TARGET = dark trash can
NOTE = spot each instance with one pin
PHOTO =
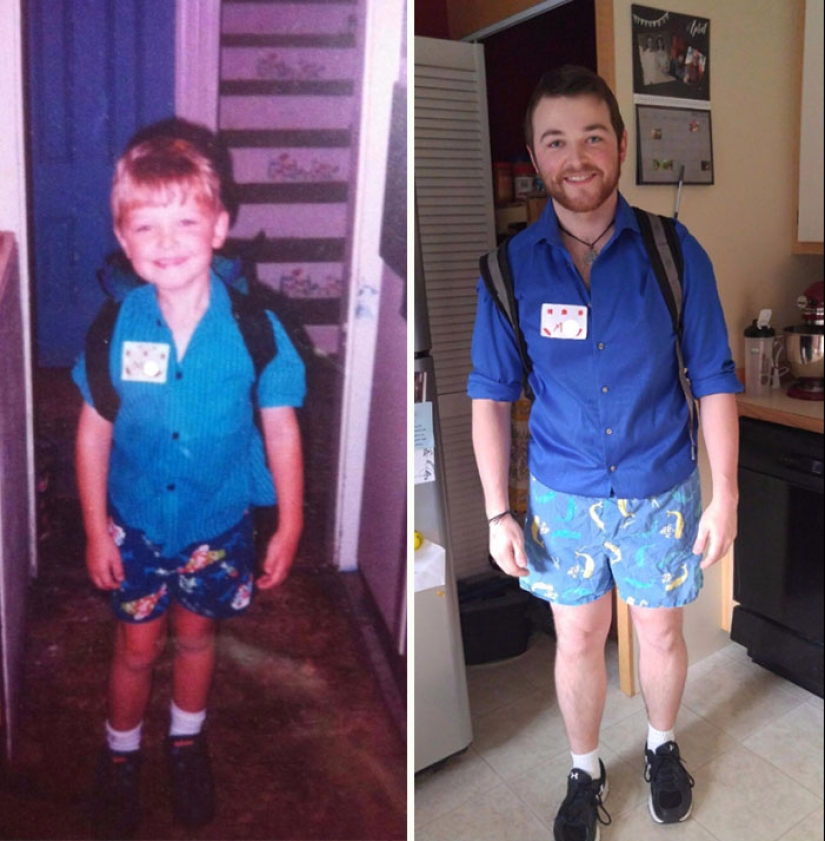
(494, 623)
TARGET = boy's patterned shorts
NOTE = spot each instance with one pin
(214, 578)
(578, 547)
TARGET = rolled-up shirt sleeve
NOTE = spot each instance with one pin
(705, 342)
(497, 369)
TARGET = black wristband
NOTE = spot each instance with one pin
(493, 520)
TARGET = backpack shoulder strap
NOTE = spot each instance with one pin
(498, 279)
(252, 320)
(665, 254)
(98, 369)
(256, 329)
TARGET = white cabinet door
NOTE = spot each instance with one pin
(456, 225)
(809, 233)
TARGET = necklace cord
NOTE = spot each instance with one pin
(584, 241)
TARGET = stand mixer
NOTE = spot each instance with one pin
(804, 346)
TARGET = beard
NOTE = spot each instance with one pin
(579, 200)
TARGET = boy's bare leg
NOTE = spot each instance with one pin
(194, 660)
(137, 648)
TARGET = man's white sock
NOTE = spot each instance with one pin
(656, 738)
(588, 762)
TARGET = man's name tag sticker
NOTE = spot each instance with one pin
(145, 362)
(564, 321)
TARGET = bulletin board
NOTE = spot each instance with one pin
(670, 138)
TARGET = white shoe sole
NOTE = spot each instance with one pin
(658, 819)
(603, 795)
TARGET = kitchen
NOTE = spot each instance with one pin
(758, 265)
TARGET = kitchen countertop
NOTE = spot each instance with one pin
(779, 408)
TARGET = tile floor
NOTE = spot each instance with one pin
(752, 740)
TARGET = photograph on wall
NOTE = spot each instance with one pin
(671, 55)
(669, 139)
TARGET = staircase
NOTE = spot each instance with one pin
(289, 108)
(288, 111)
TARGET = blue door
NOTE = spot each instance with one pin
(98, 70)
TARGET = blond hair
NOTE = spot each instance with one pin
(161, 170)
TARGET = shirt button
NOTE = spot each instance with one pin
(175, 436)
(612, 468)
(605, 389)
(600, 346)
(179, 375)
(170, 487)
(608, 431)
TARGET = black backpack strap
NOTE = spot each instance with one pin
(665, 254)
(256, 330)
(98, 369)
(498, 279)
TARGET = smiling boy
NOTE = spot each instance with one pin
(166, 487)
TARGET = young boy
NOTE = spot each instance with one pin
(167, 485)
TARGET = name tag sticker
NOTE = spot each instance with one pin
(145, 362)
(564, 321)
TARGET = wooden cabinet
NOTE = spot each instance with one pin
(535, 206)
(808, 232)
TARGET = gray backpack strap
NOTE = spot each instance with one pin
(665, 253)
(495, 272)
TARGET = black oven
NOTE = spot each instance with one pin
(778, 555)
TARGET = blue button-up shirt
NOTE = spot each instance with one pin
(187, 459)
(609, 417)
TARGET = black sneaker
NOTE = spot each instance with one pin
(190, 772)
(116, 795)
(581, 811)
(671, 798)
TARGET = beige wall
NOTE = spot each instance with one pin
(745, 220)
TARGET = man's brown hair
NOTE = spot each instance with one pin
(572, 81)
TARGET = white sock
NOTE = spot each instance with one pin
(656, 738)
(123, 740)
(184, 723)
(588, 762)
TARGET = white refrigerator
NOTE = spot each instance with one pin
(442, 710)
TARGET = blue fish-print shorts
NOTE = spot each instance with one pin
(213, 578)
(578, 547)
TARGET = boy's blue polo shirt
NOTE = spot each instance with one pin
(609, 417)
(187, 459)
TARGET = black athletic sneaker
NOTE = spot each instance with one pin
(581, 811)
(671, 798)
(190, 772)
(116, 796)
